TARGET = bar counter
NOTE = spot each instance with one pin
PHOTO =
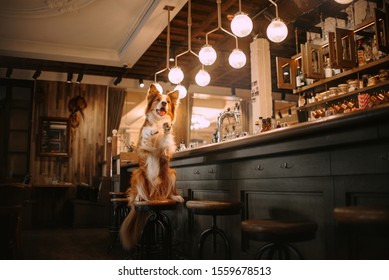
(300, 172)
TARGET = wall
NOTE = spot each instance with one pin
(87, 140)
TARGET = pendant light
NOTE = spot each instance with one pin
(176, 75)
(168, 8)
(202, 77)
(207, 54)
(241, 24)
(344, 1)
(277, 30)
(181, 91)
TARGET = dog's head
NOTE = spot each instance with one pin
(161, 105)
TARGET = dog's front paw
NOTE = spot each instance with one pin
(167, 127)
(177, 198)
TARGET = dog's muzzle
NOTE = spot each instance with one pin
(161, 111)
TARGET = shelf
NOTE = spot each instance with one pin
(344, 74)
(336, 97)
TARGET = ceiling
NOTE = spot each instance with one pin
(128, 38)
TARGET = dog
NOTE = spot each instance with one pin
(154, 179)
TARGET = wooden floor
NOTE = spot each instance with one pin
(69, 244)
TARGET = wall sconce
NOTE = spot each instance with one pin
(70, 77)
(207, 54)
(277, 30)
(80, 76)
(241, 24)
(36, 74)
(141, 83)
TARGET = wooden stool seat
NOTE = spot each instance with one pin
(272, 230)
(278, 234)
(362, 214)
(214, 208)
(153, 205)
(357, 224)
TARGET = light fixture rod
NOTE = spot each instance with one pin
(189, 50)
(274, 3)
(168, 8)
(219, 25)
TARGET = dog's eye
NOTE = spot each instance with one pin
(158, 99)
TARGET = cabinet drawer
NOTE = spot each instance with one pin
(204, 172)
(317, 164)
(361, 160)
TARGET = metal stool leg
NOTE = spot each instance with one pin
(156, 233)
(278, 250)
(214, 231)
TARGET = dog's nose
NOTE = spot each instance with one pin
(164, 103)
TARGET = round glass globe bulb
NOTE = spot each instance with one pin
(277, 30)
(237, 59)
(159, 87)
(202, 78)
(344, 1)
(181, 91)
(176, 75)
(207, 55)
(241, 24)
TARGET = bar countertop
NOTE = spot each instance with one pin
(326, 131)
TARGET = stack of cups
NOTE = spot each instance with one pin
(363, 100)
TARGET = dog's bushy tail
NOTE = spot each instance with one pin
(131, 228)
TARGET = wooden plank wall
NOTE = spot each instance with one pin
(87, 140)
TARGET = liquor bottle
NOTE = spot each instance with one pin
(361, 54)
(299, 75)
(374, 49)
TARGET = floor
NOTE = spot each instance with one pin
(69, 244)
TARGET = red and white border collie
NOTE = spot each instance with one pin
(154, 179)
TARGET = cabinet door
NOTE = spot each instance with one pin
(314, 57)
(382, 30)
(361, 160)
(332, 50)
(204, 172)
(286, 73)
(284, 166)
(345, 48)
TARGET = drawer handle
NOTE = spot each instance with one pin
(211, 171)
(259, 167)
(285, 165)
(196, 172)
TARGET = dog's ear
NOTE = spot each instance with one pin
(173, 95)
(153, 89)
(151, 95)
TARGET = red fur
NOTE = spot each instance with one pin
(154, 179)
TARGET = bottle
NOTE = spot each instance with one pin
(299, 76)
(360, 54)
(374, 49)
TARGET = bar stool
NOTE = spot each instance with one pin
(156, 237)
(369, 219)
(119, 211)
(214, 209)
(278, 234)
